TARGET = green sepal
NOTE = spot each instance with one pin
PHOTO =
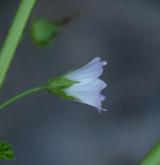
(6, 152)
(57, 86)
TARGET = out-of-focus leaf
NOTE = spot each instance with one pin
(44, 31)
(6, 152)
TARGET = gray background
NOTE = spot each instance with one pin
(46, 130)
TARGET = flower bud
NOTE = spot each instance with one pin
(44, 31)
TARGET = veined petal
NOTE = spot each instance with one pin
(92, 99)
(88, 93)
(86, 97)
(89, 72)
(94, 61)
(96, 86)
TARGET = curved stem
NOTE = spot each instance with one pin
(153, 157)
(20, 96)
(14, 36)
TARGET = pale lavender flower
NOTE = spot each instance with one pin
(88, 90)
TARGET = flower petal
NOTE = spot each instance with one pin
(89, 88)
(88, 93)
(102, 97)
(89, 72)
(87, 98)
(96, 86)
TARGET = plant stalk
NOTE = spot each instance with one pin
(14, 35)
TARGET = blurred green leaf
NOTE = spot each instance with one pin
(6, 152)
(153, 156)
(44, 31)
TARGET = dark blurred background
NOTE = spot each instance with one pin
(46, 130)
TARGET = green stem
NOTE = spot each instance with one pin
(14, 36)
(20, 96)
(153, 157)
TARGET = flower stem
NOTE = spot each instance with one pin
(14, 36)
(20, 96)
(153, 157)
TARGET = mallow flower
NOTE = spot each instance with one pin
(82, 85)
